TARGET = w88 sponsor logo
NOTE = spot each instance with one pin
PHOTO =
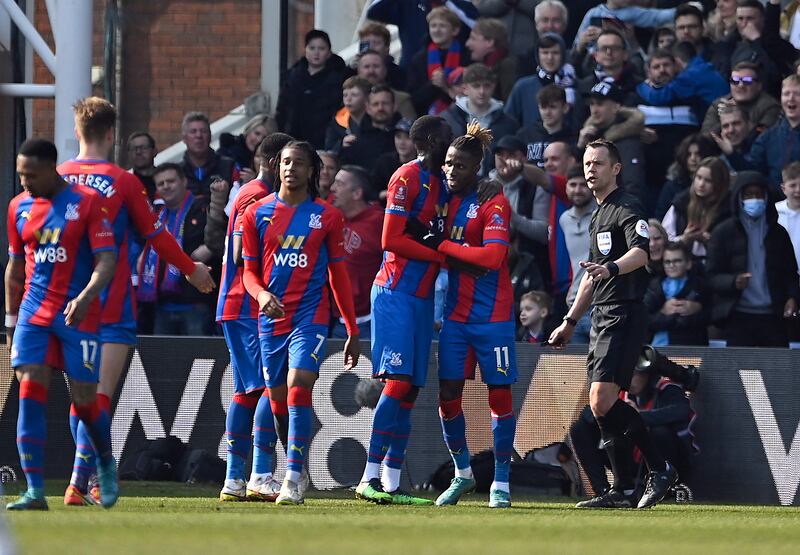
(50, 255)
(291, 259)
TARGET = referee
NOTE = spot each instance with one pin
(614, 282)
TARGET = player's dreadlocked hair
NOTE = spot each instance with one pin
(474, 141)
(316, 164)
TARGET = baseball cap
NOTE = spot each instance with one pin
(403, 125)
(509, 142)
(607, 90)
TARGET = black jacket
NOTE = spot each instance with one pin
(727, 257)
(307, 102)
(200, 178)
(235, 147)
(371, 143)
(536, 139)
(683, 330)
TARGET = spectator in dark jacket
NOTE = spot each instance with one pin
(433, 64)
(203, 167)
(757, 39)
(679, 303)
(410, 18)
(312, 91)
(388, 162)
(752, 268)
(347, 122)
(554, 125)
(377, 135)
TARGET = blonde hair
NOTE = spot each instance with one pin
(94, 117)
(475, 140)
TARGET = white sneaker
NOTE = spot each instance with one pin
(290, 494)
(233, 490)
(263, 488)
(304, 483)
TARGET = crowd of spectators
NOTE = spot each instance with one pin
(701, 98)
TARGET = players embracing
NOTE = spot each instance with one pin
(478, 314)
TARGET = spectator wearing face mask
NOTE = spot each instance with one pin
(752, 269)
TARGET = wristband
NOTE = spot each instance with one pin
(571, 321)
(612, 268)
(11, 320)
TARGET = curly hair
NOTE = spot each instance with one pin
(475, 141)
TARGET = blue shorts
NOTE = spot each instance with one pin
(120, 332)
(491, 345)
(59, 346)
(302, 348)
(402, 331)
(241, 337)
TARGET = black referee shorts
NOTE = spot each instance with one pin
(618, 333)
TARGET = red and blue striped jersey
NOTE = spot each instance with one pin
(234, 303)
(293, 246)
(130, 214)
(489, 298)
(413, 192)
(58, 238)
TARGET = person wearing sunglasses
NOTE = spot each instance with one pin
(747, 92)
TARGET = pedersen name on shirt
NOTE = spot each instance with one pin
(103, 184)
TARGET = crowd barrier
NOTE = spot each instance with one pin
(747, 414)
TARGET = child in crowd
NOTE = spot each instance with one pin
(534, 307)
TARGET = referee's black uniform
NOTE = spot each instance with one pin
(619, 318)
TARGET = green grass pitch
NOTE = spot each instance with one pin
(181, 519)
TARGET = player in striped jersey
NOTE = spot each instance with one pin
(61, 256)
(402, 299)
(478, 315)
(130, 214)
(292, 243)
(250, 411)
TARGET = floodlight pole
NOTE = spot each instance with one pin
(74, 69)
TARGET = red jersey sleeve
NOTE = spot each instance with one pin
(251, 246)
(495, 216)
(135, 198)
(101, 236)
(334, 239)
(16, 247)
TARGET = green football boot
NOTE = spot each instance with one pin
(372, 491)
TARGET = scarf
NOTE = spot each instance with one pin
(565, 78)
(670, 287)
(451, 61)
(149, 285)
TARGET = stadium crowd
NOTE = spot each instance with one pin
(701, 98)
